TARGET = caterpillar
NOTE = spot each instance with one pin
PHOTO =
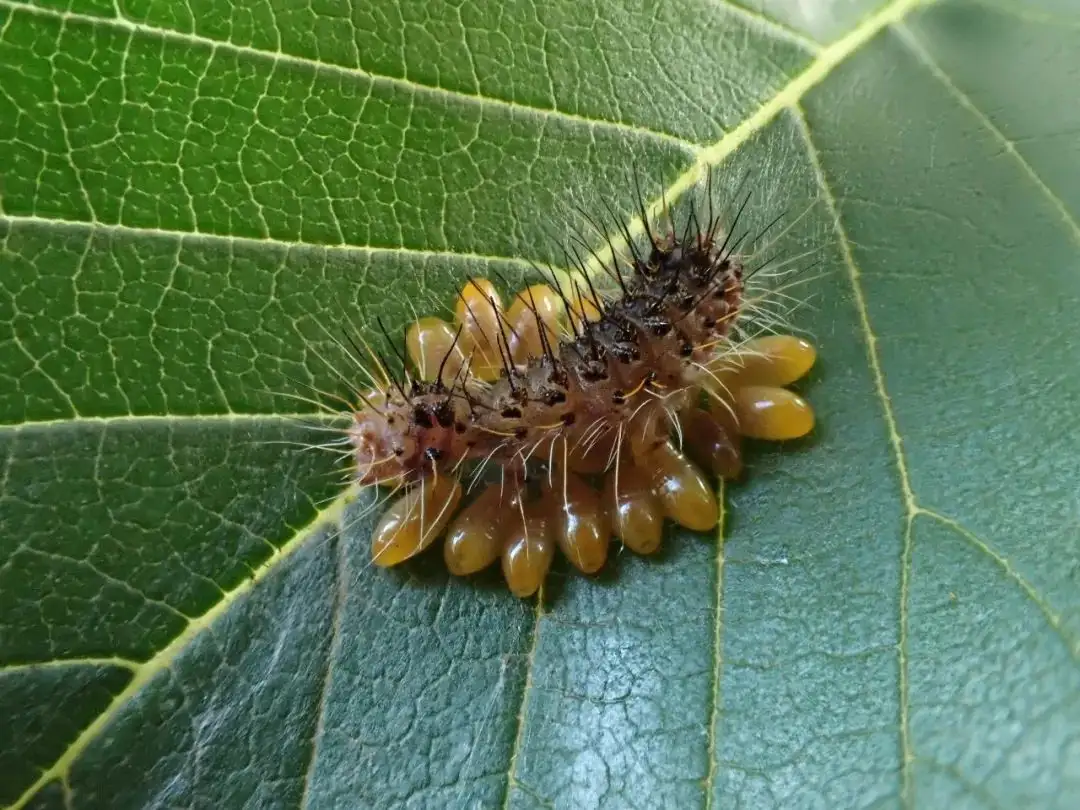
(584, 411)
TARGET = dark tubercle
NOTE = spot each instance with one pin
(677, 298)
(674, 299)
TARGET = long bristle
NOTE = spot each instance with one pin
(643, 322)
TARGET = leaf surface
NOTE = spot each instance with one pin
(194, 194)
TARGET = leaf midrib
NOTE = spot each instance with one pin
(147, 671)
(912, 509)
(156, 418)
(195, 237)
(828, 59)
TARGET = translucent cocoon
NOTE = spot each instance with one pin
(686, 496)
(433, 344)
(775, 414)
(415, 521)
(579, 522)
(590, 494)
(479, 310)
(533, 306)
(528, 552)
(637, 516)
(475, 537)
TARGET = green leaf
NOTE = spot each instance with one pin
(192, 191)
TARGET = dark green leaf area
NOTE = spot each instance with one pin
(582, 59)
(100, 323)
(978, 379)
(425, 678)
(231, 721)
(174, 135)
(44, 710)
(180, 513)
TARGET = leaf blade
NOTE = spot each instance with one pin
(709, 743)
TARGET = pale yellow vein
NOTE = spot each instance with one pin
(908, 496)
(789, 96)
(924, 57)
(281, 57)
(144, 673)
(190, 237)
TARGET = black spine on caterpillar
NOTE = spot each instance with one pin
(676, 306)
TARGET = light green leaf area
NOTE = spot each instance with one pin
(193, 195)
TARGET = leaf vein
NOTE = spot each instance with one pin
(772, 26)
(64, 663)
(89, 565)
(340, 592)
(519, 733)
(1053, 619)
(911, 508)
(103, 421)
(196, 236)
(716, 709)
(953, 772)
(920, 53)
(150, 669)
(280, 57)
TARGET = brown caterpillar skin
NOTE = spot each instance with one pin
(593, 394)
(676, 305)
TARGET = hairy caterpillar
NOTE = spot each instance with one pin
(589, 400)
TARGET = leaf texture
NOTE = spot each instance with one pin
(192, 194)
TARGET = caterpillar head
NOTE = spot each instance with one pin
(381, 451)
(398, 439)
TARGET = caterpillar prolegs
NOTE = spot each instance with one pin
(580, 413)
